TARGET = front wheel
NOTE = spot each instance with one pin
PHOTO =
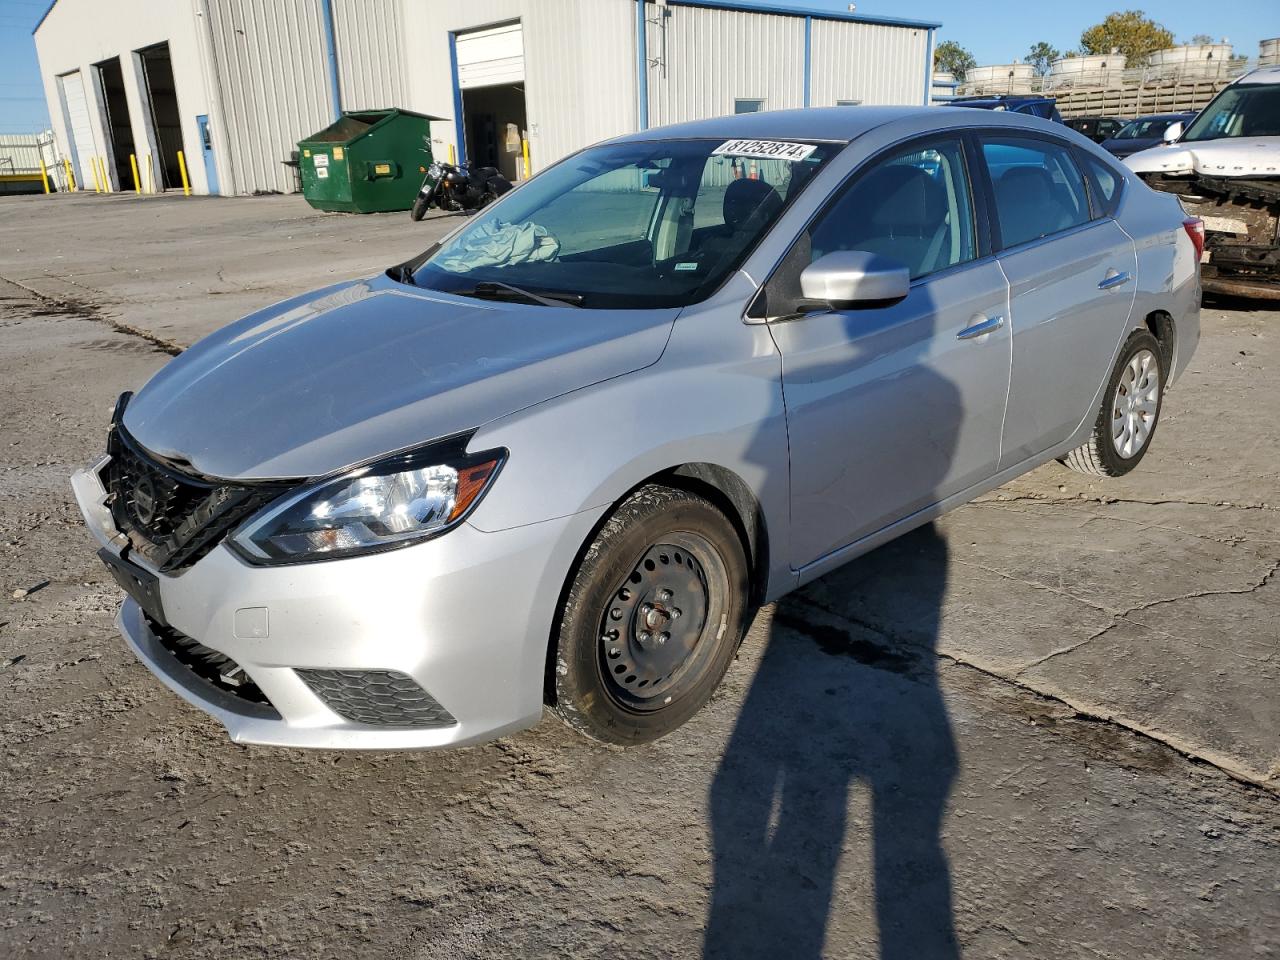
(653, 618)
(1129, 414)
(419, 209)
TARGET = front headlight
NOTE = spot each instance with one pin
(435, 170)
(391, 503)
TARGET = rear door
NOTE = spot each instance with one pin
(1070, 270)
(891, 408)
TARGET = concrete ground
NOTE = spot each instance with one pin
(1046, 727)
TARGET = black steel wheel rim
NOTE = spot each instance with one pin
(653, 632)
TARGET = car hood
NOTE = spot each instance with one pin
(1228, 157)
(322, 382)
(1123, 148)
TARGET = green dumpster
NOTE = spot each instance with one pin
(369, 161)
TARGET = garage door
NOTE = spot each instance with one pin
(492, 56)
(75, 105)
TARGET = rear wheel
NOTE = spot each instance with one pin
(1129, 414)
(653, 618)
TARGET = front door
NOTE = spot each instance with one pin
(893, 408)
(1071, 290)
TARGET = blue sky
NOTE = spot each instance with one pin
(996, 31)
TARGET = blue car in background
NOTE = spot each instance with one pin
(1144, 132)
(1036, 106)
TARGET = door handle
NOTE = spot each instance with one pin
(1114, 280)
(982, 326)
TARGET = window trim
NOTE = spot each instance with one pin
(981, 136)
(977, 212)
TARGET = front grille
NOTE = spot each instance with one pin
(382, 698)
(172, 517)
(215, 672)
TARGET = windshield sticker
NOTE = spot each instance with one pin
(766, 149)
(686, 266)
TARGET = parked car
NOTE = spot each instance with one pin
(1143, 133)
(1096, 129)
(559, 456)
(1032, 106)
(1225, 168)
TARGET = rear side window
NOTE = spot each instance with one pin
(1105, 184)
(1039, 190)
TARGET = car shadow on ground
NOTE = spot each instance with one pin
(833, 706)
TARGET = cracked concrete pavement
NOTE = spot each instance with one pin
(1045, 727)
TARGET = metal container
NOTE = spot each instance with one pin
(369, 161)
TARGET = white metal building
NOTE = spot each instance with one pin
(234, 84)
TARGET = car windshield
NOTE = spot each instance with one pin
(629, 225)
(1242, 110)
(1148, 129)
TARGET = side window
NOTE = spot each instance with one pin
(913, 206)
(1038, 188)
(1105, 184)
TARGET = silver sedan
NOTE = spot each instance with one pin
(558, 458)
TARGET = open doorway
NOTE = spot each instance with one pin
(494, 120)
(489, 87)
(116, 122)
(166, 120)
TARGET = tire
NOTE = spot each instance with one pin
(419, 209)
(652, 619)
(1135, 391)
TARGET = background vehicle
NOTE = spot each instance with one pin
(1143, 133)
(456, 188)
(1096, 129)
(1225, 168)
(559, 456)
(1033, 106)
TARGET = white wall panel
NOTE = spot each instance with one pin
(370, 41)
(271, 67)
(869, 62)
(580, 74)
(708, 58)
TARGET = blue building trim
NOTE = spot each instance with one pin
(44, 16)
(808, 61)
(778, 8)
(331, 51)
(642, 67)
(459, 126)
(928, 70)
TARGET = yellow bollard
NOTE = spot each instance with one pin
(44, 175)
(525, 146)
(106, 175)
(71, 177)
(137, 183)
(93, 170)
(182, 165)
(453, 156)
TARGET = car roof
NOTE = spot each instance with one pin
(1262, 75)
(825, 124)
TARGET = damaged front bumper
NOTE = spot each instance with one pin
(1242, 230)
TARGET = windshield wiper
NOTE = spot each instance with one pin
(494, 290)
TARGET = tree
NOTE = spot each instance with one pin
(1200, 38)
(952, 58)
(1040, 56)
(1131, 32)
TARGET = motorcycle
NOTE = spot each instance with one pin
(457, 188)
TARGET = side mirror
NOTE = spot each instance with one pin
(846, 278)
(1173, 131)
